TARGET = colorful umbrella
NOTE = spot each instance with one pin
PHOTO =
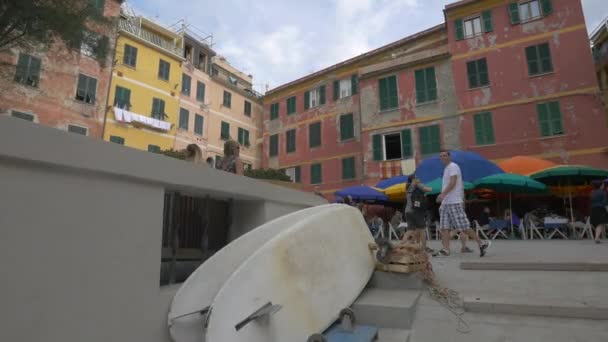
(472, 165)
(523, 165)
(386, 183)
(437, 184)
(362, 193)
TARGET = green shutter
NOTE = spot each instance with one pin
(484, 130)
(34, 70)
(544, 55)
(306, 99)
(406, 143)
(555, 118)
(153, 149)
(459, 29)
(392, 92)
(225, 132)
(546, 6)
(22, 66)
(336, 90)
(122, 98)
(489, 127)
(435, 139)
(347, 129)
(322, 95)
(543, 119)
(532, 58)
(298, 174)
(247, 138)
(482, 71)
(291, 140)
(240, 136)
(354, 84)
(420, 87)
(315, 174)
(514, 13)
(430, 140)
(348, 168)
(478, 125)
(488, 26)
(273, 148)
(314, 135)
(431, 84)
(198, 124)
(472, 74)
(155, 108)
(377, 147)
(117, 140)
(274, 111)
(383, 93)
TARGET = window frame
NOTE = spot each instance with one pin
(154, 148)
(478, 73)
(342, 124)
(528, 2)
(294, 105)
(87, 89)
(346, 176)
(86, 129)
(183, 124)
(274, 111)
(160, 115)
(273, 145)
(202, 124)
(117, 99)
(388, 105)
(161, 70)
(312, 172)
(117, 140)
(126, 58)
(422, 145)
(201, 90)
(538, 60)
(291, 133)
(426, 87)
(227, 99)
(227, 130)
(550, 120)
(310, 134)
(30, 76)
(243, 137)
(471, 19)
(23, 115)
(247, 108)
(186, 91)
(489, 138)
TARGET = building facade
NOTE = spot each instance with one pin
(63, 86)
(525, 81)
(498, 78)
(599, 41)
(217, 103)
(143, 99)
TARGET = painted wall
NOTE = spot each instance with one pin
(512, 95)
(53, 102)
(144, 83)
(78, 273)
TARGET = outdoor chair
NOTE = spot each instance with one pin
(581, 229)
(481, 232)
(522, 230)
(391, 232)
(536, 229)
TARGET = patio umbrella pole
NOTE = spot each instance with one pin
(511, 216)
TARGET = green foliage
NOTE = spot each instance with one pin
(28, 23)
(267, 174)
(181, 154)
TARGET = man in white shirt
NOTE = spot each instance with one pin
(451, 210)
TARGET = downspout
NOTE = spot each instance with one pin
(105, 108)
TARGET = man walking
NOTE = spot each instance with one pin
(451, 210)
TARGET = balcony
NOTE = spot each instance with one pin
(133, 27)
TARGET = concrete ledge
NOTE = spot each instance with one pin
(392, 309)
(396, 281)
(536, 307)
(535, 266)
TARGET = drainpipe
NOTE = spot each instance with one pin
(105, 108)
(360, 131)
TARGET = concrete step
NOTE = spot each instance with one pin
(555, 307)
(394, 309)
(393, 335)
(535, 266)
(396, 281)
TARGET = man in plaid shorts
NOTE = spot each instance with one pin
(451, 210)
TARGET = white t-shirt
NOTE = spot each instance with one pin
(457, 193)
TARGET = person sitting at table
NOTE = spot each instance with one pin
(484, 218)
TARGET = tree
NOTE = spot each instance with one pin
(34, 23)
(267, 174)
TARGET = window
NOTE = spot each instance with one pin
(198, 124)
(294, 173)
(225, 131)
(273, 145)
(314, 98)
(345, 88)
(291, 105)
(550, 119)
(397, 145)
(474, 26)
(347, 128)
(290, 137)
(184, 117)
(122, 98)
(28, 70)
(429, 140)
(539, 59)
(348, 168)
(484, 130)
(117, 140)
(529, 10)
(314, 135)
(200, 91)
(153, 148)
(316, 176)
(243, 137)
(388, 93)
(78, 129)
(130, 56)
(186, 84)
(22, 116)
(86, 90)
(227, 99)
(477, 72)
(158, 109)
(426, 86)
(274, 111)
(164, 69)
(247, 108)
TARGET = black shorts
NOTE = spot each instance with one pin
(598, 216)
(415, 220)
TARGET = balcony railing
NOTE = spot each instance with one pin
(134, 27)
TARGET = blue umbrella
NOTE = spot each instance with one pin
(472, 165)
(386, 183)
(362, 193)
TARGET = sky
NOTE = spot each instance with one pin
(278, 41)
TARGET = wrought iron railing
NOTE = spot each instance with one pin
(134, 27)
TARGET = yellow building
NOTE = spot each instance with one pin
(143, 100)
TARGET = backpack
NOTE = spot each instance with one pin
(419, 201)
